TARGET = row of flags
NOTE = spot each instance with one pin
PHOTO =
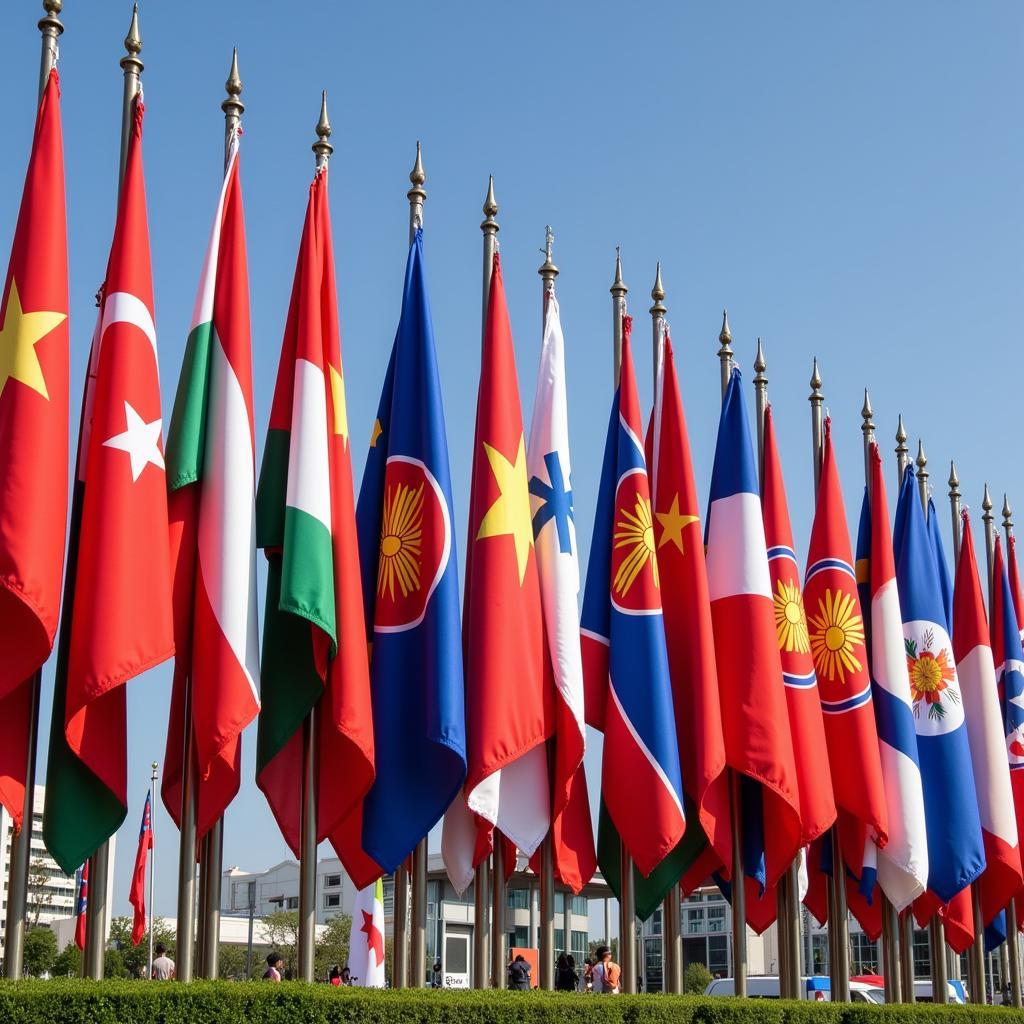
(871, 696)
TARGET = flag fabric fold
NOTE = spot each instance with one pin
(314, 654)
(33, 440)
(509, 693)
(211, 479)
(625, 661)
(549, 469)
(137, 893)
(411, 597)
(121, 615)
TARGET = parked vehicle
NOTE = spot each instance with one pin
(815, 987)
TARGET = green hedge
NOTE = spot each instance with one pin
(113, 1002)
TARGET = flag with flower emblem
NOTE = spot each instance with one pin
(956, 854)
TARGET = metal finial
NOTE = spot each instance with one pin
(901, 432)
(233, 106)
(815, 381)
(548, 271)
(922, 475)
(490, 203)
(417, 175)
(760, 364)
(866, 412)
(1007, 514)
(922, 459)
(322, 147)
(986, 504)
(133, 41)
(725, 335)
(658, 294)
(53, 7)
(618, 287)
(954, 480)
(417, 195)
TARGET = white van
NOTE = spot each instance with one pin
(767, 987)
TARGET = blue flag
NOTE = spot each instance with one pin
(411, 593)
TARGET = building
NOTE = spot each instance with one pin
(52, 893)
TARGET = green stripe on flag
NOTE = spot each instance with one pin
(186, 438)
(270, 494)
(307, 571)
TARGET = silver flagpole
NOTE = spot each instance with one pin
(548, 272)
(671, 937)
(627, 893)
(417, 196)
(152, 858)
(936, 931)
(50, 27)
(1011, 907)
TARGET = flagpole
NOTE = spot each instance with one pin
(417, 196)
(1011, 907)
(548, 272)
(737, 889)
(627, 894)
(890, 923)
(671, 936)
(50, 27)
(152, 858)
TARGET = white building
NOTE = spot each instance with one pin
(55, 898)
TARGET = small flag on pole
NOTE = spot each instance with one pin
(366, 937)
(81, 905)
(137, 895)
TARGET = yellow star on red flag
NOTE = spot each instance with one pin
(19, 335)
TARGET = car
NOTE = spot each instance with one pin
(767, 987)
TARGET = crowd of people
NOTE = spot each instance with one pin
(599, 973)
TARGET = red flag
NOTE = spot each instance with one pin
(33, 440)
(509, 692)
(137, 895)
(82, 905)
(688, 631)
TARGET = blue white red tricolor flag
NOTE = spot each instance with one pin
(625, 662)
(758, 741)
(956, 855)
(81, 905)
(137, 896)
(903, 863)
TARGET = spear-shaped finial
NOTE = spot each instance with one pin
(133, 41)
(490, 203)
(1007, 516)
(132, 66)
(815, 382)
(322, 148)
(658, 295)
(725, 350)
(866, 414)
(233, 86)
(817, 399)
(922, 475)
(954, 480)
(902, 451)
(618, 288)
(760, 363)
(51, 27)
(548, 271)
(955, 511)
(417, 194)
(986, 504)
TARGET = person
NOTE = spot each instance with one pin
(607, 974)
(519, 974)
(346, 976)
(566, 978)
(435, 980)
(334, 976)
(274, 964)
(163, 965)
(587, 981)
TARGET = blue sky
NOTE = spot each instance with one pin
(845, 178)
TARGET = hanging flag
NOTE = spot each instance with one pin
(956, 854)
(411, 597)
(625, 661)
(758, 741)
(554, 531)
(314, 656)
(509, 697)
(707, 842)
(81, 904)
(33, 440)
(976, 670)
(137, 894)
(211, 478)
(121, 616)
(366, 937)
(903, 862)
(838, 647)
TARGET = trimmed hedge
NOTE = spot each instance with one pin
(132, 1002)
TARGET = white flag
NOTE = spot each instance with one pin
(366, 940)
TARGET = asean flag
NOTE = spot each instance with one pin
(758, 740)
(625, 663)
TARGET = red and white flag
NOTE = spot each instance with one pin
(137, 895)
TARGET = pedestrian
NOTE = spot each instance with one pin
(607, 974)
(435, 980)
(519, 974)
(274, 964)
(346, 976)
(587, 981)
(334, 976)
(566, 978)
(163, 965)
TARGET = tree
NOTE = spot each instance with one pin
(135, 959)
(113, 964)
(40, 951)
(281, 933)
(68, 963)
(40, 895)
(332, 946)
(696, 978)
(231, 962)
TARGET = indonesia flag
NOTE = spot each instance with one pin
(625, 662)
(758, 741)
(554, 530)
(903, 862)
(1002, 877)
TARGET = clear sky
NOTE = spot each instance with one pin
(845, 178)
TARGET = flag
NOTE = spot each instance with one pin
(81, 904)
(838, 647)
(314, 655)
(706, 845)
(976, 670)
(411, 596)
(509, 697)
(956, 854)
(211, 478)
(758, 741)
(1009, 660)
(366, 937)
(625, 661)
(903, 863)
(121, 616)
(137, 894)
(33, 440)
(554, 530)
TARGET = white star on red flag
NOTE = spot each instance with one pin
(141, 440)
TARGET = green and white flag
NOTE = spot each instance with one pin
(366, 941)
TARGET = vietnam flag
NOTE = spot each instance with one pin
(121, 622)
(33, 441)
(314, 640)
(211, 477)
(509, 693)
